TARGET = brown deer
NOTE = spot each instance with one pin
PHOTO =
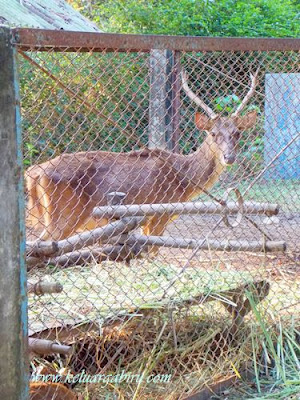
(63, 191)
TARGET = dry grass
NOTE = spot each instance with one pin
(190, 343)
(99, 292)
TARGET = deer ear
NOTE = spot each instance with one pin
(203, 122)
(247, 121)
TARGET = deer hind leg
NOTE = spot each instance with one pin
(62, 209)
(34, 216)
(33, 212)
(156, 226)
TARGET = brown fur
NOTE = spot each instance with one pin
(63, 192)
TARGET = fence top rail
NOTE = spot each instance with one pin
(43, 40)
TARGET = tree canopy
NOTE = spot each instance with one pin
(250, 18)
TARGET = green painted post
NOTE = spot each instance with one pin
(13, 292)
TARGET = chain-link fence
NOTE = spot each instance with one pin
(195, 279)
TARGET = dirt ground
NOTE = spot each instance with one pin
(284, 227)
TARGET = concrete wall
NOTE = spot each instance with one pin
(282, 123)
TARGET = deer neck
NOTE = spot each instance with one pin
(201, 169)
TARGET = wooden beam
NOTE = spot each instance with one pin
(198, 207)
(207, 244)
(43, 39)
(84, 239)
(117, 252)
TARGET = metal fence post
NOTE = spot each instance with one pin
(157, 106)
(13, 292)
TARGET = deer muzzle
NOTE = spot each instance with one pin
(229, 159)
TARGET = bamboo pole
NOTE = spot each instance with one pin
(87, 256)
(35, 262)
(84, 239)
(134, 244)
(198, 207)
(207, 244)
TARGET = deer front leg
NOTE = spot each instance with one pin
(155, 226)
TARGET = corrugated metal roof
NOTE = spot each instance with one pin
(46, 14)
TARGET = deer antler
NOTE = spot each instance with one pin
(253, 83)
(195, 98)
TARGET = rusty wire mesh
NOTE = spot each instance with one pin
(170, 313)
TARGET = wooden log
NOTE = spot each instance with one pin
(48, 248)
(78, 257)
(134, 244)
(198, 207)
(35, 262)
(118, 252)
(40, 288)
(235, 301)
(259, 290)
(204, 244)
(43, 346)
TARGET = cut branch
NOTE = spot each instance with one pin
(47, 248)
(118, 252)
(198, 207)
(205, 244)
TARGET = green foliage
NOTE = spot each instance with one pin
(31, 152)
(259, 18)
(96, 102)
(227, 104)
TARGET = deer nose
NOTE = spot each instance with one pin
(229, 159)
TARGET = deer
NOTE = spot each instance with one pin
(62, 192)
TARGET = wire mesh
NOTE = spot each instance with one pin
(148, 321)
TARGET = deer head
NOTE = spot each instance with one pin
(223, 132)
